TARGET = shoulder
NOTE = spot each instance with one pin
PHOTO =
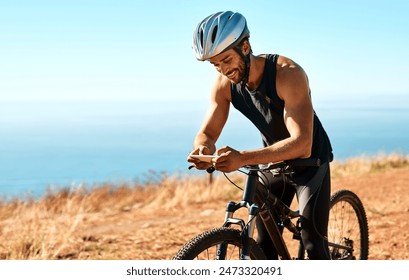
(221, 90)
(290, 77)
(286, 66)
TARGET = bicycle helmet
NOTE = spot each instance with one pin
(217, 33)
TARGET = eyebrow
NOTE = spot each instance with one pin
(223, 59)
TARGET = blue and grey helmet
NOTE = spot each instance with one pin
(217, 33)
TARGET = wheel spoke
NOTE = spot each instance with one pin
(347, 226)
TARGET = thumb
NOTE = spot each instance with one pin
(203, 150)
(222, 150)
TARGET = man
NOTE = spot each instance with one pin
(272, 91)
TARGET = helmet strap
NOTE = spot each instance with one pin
(246, 59)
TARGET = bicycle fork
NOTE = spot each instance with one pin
(246, 229)
(250, 200)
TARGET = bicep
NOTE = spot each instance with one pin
(298, 110)
(298, 117)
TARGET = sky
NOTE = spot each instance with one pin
(141, 50)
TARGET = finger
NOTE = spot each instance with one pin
(195, 152)
(191, 159)
(202, 165)
(203, 150)
(221, 167)
(222, 150)
(222, 157)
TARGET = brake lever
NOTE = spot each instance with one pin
(211, 169)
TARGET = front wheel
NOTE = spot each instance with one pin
(218, 243)
(348, 235)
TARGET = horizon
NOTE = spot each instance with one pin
(120, 61)
(62, 144)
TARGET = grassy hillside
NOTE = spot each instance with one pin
(54, 227)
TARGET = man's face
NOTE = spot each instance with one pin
(230, 64)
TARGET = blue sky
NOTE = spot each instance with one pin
(136, 50)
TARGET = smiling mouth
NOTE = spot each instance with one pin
(231, 74)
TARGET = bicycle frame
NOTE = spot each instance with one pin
(276, 216)
(272, 216)
(251, 199)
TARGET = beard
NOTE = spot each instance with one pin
(239, 73)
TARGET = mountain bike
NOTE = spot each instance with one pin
(348, 235)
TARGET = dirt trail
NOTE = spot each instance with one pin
(158, 235)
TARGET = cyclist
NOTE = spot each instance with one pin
(272, 91)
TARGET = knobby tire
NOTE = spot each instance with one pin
(348, 225)
(204, 245)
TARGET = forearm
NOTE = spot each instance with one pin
(202, 141)
(289, 148)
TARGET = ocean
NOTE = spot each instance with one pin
(48, 145)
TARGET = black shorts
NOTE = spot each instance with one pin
(312, 185)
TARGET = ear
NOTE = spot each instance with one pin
(246, 48)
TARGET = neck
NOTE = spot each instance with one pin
(256, 72)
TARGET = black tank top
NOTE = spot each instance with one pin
(265, 110)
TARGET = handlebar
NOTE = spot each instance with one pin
(300, 162)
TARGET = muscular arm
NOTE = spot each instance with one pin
(216, 117)
(293, 89)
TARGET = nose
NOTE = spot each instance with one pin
(223, 69)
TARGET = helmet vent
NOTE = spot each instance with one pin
(214, 34)
(201, 38)
(217, 33)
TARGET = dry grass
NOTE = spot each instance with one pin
(53, 226)
(365, 165)
(108, 222)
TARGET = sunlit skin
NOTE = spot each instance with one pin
(292, 87)
(229, 66)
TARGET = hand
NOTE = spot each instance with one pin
(229, 160)
(201, 150)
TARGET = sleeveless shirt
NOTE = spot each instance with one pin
(265, 110)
